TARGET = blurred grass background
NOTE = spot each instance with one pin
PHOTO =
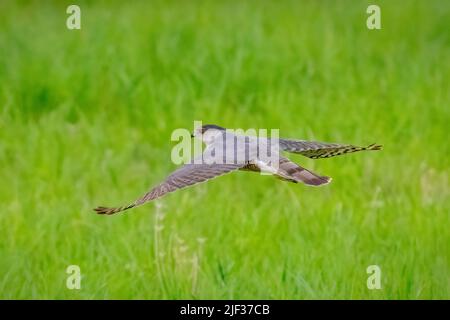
(86, 118)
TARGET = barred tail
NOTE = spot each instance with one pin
(340, 150)
(350, 149)
(109, 211)
(373, 146)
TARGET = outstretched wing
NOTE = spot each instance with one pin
(315, 150)
(185, 176)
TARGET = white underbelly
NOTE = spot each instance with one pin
(265, 168)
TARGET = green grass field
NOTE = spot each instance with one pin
(86, 117)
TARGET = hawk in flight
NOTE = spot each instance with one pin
(246, 155)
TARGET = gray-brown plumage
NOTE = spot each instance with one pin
(213, 135)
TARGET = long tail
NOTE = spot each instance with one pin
(351, 149)
(333, 151)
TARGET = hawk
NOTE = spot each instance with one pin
(244, 156)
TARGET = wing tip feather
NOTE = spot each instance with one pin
(318, 181)
(104, 210)
(113, 210)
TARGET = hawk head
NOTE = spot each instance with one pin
(208, 132)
